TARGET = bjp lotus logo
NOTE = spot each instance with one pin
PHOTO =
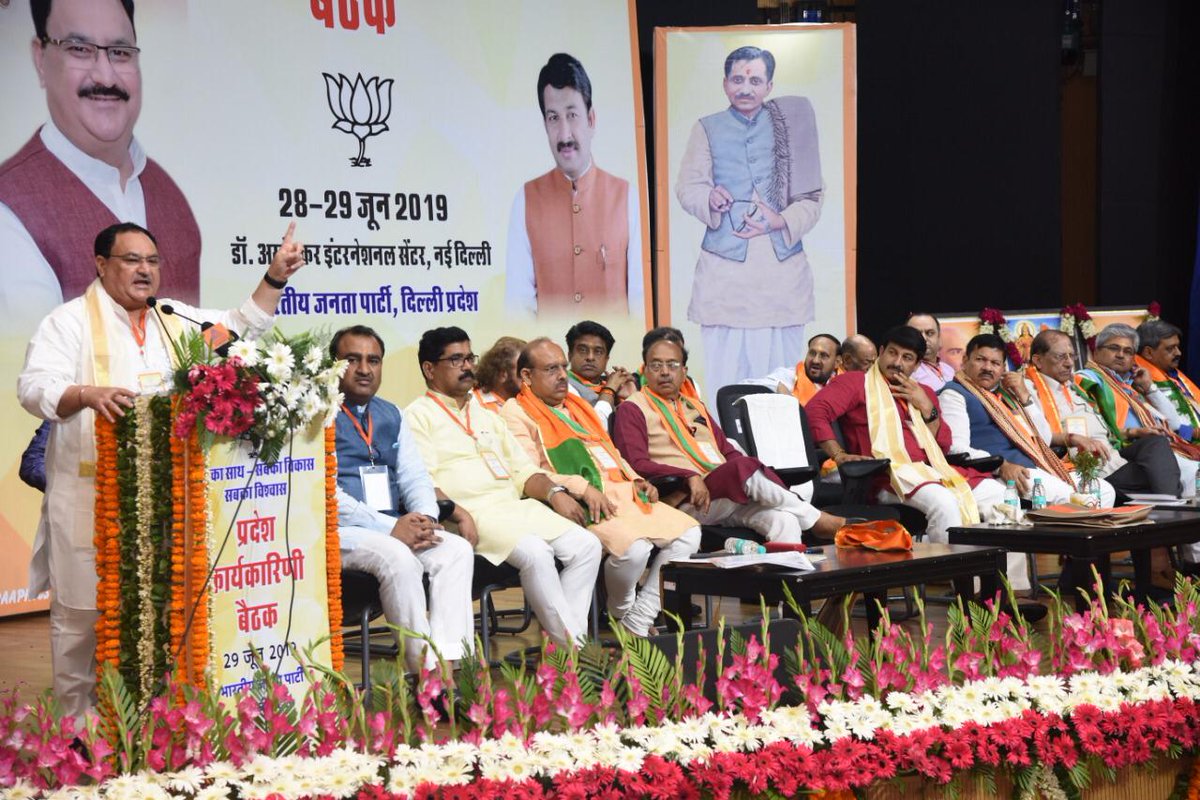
(360, 107)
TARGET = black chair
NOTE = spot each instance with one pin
(490, 578)
(360, 605)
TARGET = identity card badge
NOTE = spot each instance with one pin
(494, 465)
(1076, 425)
(149, 381)
(601, 454)
(711, 454)
(377, 489)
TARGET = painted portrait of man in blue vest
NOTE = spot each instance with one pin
(752, 174)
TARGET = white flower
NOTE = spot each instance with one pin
(312, 360)
(222, 771)
(21, 790)
(187, 780)
(280, 361)
(246, 350)
(310, 406)
(630, 760)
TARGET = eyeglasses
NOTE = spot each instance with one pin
(550, 370)
(133, 259)
(1116, 348)
(123, 57)
(660, 366)
(458, 359)
(1060, 358)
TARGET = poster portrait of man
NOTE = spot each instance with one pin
(574, 238)
(763, 173)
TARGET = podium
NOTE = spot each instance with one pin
(212, 561)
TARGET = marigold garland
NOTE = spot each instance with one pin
(176, 614)
(333, 559)
(1193, 787)
(106, 540)
(196, 538)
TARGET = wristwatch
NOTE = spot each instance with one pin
(555, 489)
(446, 509)
(933, 414)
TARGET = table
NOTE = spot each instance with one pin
(1088, 547)
(841, 571)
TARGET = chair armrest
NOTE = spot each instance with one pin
(857, 470)
(989, 464)
(794, 475)
(857, 478)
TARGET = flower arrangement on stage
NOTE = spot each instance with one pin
(261, 391)
(1106, 690)
(1077, 317)
(153, 559)
(1153, 311)
(991, 320)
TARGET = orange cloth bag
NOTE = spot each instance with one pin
(876, 534)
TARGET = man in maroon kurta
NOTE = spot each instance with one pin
(663, 434)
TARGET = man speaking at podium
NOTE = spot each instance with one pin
(93, 355)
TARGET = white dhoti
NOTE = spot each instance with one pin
(450, 623)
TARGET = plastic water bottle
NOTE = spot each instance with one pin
(1012, 499)
(1038, 497)
(743, 546)
(1196, 498)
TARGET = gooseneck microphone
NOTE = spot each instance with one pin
(218, 336)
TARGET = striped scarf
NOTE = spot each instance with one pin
(886, 430)
(1014, 422)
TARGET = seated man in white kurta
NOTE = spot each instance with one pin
(93, 355)
(564, 435)
(472, 456)
(388, 512)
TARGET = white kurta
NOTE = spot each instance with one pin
(64, 558)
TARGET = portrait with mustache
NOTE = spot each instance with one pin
(85, 164)
(574, 232)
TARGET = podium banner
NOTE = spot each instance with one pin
(269, 588)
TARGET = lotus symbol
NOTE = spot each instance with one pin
(360, 107)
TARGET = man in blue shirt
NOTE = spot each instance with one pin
(388, 511)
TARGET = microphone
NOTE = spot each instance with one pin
(216, 335)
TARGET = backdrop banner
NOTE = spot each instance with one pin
(399, 135)
(754, 131)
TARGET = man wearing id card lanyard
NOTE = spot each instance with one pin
(388, 512)
(93, 355)
(473, 457)
(663, 434)
(563, 434)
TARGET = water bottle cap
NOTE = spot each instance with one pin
(1011, 483)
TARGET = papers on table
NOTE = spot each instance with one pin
(791, 560)
(1160, 499)
(1089, 517)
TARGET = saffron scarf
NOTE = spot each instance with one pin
(101, 365)
(1014, 422)
(803, 389)
(887, 441)
(1183, 393)
(566, 436)
(491, 405)
(678, 429)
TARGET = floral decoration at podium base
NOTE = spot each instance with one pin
(216, 520)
